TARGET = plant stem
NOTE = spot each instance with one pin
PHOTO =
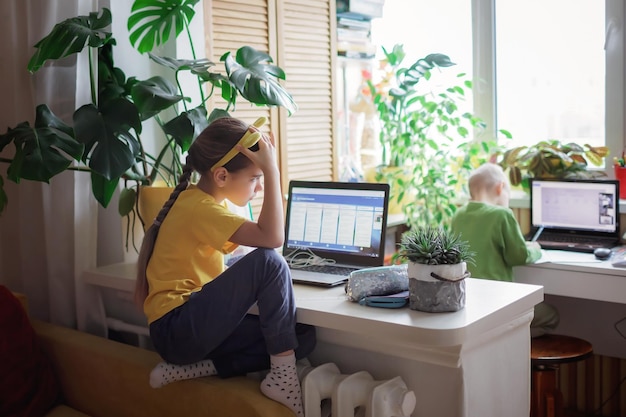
(193, 54)
(400, 111)
(180, 88)
(79, 169)
(142, 152)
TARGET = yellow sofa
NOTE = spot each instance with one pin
(104, 378)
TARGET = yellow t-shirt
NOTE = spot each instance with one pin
(189, 250)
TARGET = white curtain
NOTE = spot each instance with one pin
(48, 232)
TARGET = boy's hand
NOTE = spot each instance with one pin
(533, 245)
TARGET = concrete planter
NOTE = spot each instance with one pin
(443, 293)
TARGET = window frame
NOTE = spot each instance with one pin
(484, 72)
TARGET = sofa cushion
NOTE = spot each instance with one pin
(65, 411)
(104, 378)
(28, 386)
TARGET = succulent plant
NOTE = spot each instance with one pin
(434, 246)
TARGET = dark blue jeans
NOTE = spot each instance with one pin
(214, 323)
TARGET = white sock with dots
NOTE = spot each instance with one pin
(281, 383)
(164, 372)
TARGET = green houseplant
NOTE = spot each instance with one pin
(425, 137)
(552, 159)
(437, 268)
(105, 139)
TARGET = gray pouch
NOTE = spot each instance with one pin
(382, 280)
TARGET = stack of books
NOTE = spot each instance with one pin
(354, 27)
(354, 38)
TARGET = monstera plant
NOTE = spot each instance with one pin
(105, 138)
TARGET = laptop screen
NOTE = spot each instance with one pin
(585, 206)
(344, 221)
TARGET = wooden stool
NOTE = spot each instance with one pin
(546, 353)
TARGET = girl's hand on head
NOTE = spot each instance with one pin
(265, 157)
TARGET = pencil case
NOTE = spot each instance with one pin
(383, 280)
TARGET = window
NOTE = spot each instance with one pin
(549, 71)
(442, 26)
(542, 70)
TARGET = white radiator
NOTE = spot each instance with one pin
(327, 392)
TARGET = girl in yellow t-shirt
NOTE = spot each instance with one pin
(196, 308)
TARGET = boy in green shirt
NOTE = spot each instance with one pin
(487, 223)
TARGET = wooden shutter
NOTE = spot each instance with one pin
(298, 36)
(304, 44)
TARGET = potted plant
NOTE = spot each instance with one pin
(422, 125)
(105, 139)
(552, 159)
(437, 268)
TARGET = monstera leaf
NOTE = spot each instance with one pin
(102, 188)
(200, 68)
(151, 22)
(185, 127)
(71, 36)
(153, 95)
(421, 69)
(197, 66)
(43, 150)
(256, 79)
(110, 147)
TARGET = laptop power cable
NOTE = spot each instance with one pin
(303, 258)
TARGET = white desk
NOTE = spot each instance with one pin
(589, 294)
(458, 364)
(577, 275)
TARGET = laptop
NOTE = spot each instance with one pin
(575, 215)
(333, 228)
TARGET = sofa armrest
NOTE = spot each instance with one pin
(103, 378)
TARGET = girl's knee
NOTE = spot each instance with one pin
(269, 256)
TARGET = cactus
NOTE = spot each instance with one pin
(434, 246)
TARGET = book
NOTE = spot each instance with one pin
(344, 22)
(353, 35)
(356, 54)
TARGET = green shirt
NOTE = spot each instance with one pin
(494, 234)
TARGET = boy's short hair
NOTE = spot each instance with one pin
(485, 177)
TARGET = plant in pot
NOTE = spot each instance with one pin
(437, 268)
(105, 138)
(552, 159)
(422, 125)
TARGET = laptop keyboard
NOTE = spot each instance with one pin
(573, 242)
(566, 238)
(329, 269)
